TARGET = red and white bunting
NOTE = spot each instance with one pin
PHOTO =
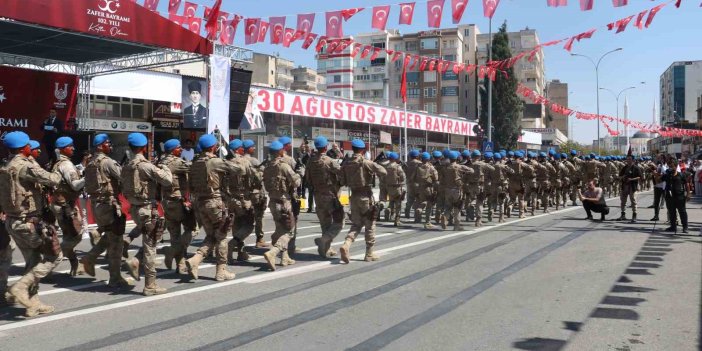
(190, 9)
(277, 29)
(334, 24)
(262, 31)
(406, 12)
(309, 39)
(173, 6)
(380, 17)
(435, 9)
(251, 30)
(457, 9)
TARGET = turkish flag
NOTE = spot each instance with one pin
(653, 13)
(618, 3)
(423, 65)
(262, 31)
(277, 27)
(212, 19)
(227, 35)
(151, 4)
(366, 51)
(639, 19)
(334, 24)
(348, 13)
(457, 9)
(556, 3)
(489, 7)
(173, 6)
(223, 17)
(586, 5)
(304, 24)
(374, 55)
(406, 12)
(251, 30)
(620, 24)
(195, 25)
(343, 44)
(190, 9)
(432, 64)
(321, 43)
(403, 82)
(179, 20)
(380, 17)
(331, 45)
(457, 68)
(288, 37)
(396, 56)
(569, 44)
(309, 39)
(435, 8)
(414, 63)
(356, 49)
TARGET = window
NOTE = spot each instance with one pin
(378, 62)
(449, 44)
(112, 106)
(411, 46)
(377, 77)
(450, 107)
(413, 93)
(379, 45)
(337, 79)
(429, 44)
(449, 75)
(398, 46)
(337, 93)
(450, 57)
(430, 92)
(430, 76)
(412, 78)
(413, 107)
(430, 107)
(449, 91)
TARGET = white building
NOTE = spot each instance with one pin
(681, 85)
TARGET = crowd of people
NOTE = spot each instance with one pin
(227, 197)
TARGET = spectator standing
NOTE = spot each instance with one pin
(677, 193)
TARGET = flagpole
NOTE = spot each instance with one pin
(406, 140)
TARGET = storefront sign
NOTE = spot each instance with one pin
(113, 125)
(363, 135)
(315, 106)
(531, 137)
(341, 134)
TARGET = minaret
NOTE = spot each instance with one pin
(626, 118)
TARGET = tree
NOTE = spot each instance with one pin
(506, 105)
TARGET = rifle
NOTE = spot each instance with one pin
(156, 226)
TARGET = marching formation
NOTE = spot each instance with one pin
(227, 198)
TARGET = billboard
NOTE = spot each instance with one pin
(194, 97)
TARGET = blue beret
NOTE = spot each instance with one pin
(551, 152)
(248, 143)
(519, 154)
(33, 144)
(100, 138)
(557, 156)
(16, 140)
(475, 153)
(542, 154)
(510, 153)
(592, 154)
(171, 144)
(276, 146)
(235, 144)
(285, 140)
(437, 154)
(489, 155)
(426, 156)
(587, 158)
(573, 152)
(137, 140)
(503, 153)
(393, 156)
(414, 153)
(453, 155)
(320, 142)
(358, 143)
(564, 155)
(465, 153)
(63, 142)
(498, 156)
(446, 153)
(597, 158)
(207, 141)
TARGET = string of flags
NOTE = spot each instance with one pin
(604, 119)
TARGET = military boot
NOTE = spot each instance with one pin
(387, 215)
(88, 262)
(323, 245)
(271, 256)
(428, 225)
(223, 274)
(76, 267)
(193, 264)
(444, 222)
(397, 221)
(417, 216)
(370, 256)
(508, 211)
(132, 264)
(261, 244)
(501, 219)
(489, 216)
(457, 228)
(168, 254)
(286, 260)
(407, 212)
(633, 218)
(37, 308)
(94, 237)
(118, 281)
(180, 264)
(622, 217)
(19, 291)
(478, 222)
(344, 250)
(151, 288)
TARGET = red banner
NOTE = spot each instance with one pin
(27, 96)
(124, 20)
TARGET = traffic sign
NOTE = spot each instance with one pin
(487, 146)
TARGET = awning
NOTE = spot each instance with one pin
(80, 31)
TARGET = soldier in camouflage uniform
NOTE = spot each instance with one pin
(519, 181)
(476, 187)
(577, 177)
(280, 180)
(139, 181)
(356, 173)
(323, 173)
(592, 169)
(177, 209)
(298, 168)
(569, 174)
(410, 170)
(559, 179)
(207, 181)
(441, 160)
(543, 183)
(240, 204)
(426, 178)
(21, 199)
(64, 203)
(102, 183)
(259, 200)
(453, 178)
(497, 193)
(394, 183)
(607, 177)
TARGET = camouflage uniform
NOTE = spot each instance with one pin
(476, 189)
(606, 176)
(21, 199)
(593, 171)
(453, 178)
(178, 212)
(7, 247)
(323, 173)
(394, 183)
(427, 180)
(410, 170)
(240, 205)
(568, 181)
(66, 210)
(357, 174)
(439, 165)
(519, 181)
(281, 180)
(139, 180)
(544, 173)
(498, 190)
(559, 179)
(576, 180)
(259, 200)
(207, 181)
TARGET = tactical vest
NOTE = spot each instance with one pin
(319, 176)
(479, 172)
(423, 177)
(97, 183)
(453, 177)
(133, 188)
(200, 184)
(394, 176)
(64, 188)
(356, 174)
(171, 162)
(257, 176)
(16, 200)
(239, 184)
(274, 178)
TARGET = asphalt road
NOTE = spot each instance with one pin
(549, 282)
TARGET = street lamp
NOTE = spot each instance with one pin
(616, 97)
(597, 80)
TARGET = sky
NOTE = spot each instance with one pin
(674, 35)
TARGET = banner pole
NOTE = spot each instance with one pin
(405, 128)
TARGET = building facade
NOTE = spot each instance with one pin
(530, 74)
(272, 71)
(307, 79)
(557, 92)
(680, 86)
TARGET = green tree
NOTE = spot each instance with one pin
(506, 105)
